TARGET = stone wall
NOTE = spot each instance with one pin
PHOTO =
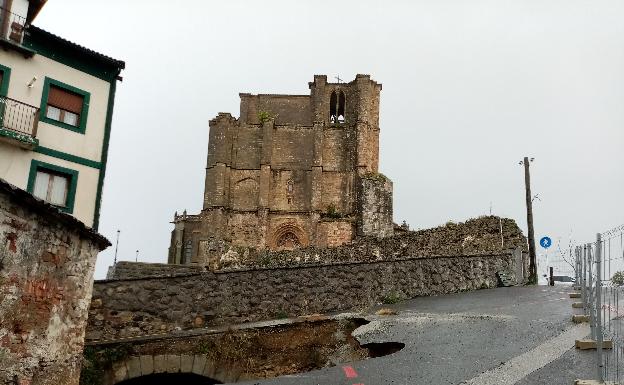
(474, 237)
(46, 271)
(375, 206)
(134, 307)
(129, 270)
(478, 236)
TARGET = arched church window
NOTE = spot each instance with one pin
(288, 241)
(341, 107)
(333, 103)
(337, 106)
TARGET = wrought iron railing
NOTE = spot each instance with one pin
(19, 119)
(12, 26)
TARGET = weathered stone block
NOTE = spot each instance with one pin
(120, 372)
(199, 362)
(147, 365)
(172, 363)
(210, 369)
(186, 363)
(580, 318)
(134, 366)
(585, 344)
(160, 364)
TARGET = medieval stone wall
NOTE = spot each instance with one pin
(134, 307)
(131, 270)
(375, 206)
(484, 235)
(47, 260)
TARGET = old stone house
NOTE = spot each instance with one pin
(292, 171)
(47, 259)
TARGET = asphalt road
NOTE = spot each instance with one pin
(512, 333)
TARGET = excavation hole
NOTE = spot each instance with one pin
(380, 349)
(170, 378)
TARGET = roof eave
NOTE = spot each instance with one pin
(34, 7)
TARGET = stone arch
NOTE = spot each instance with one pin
(149, 365)
(288, 236)
(333, 104)
(337, 107)
(341, 108)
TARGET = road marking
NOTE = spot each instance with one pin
(521, 366)
(349, 371)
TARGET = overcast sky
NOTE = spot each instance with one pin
(469, 88)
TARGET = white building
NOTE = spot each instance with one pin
(56, 108)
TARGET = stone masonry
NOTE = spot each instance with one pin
(147, 306)
(478, 236)
(47, 260)
(292, 171)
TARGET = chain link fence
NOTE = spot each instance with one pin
(601, 285)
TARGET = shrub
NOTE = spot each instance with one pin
(391, 298)
(332, 211)
(281, 314)
(265, 116)
(618, 279)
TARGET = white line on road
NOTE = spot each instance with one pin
(520, 366)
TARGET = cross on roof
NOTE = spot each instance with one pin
(338, 78)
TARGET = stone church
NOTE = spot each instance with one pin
(292, 171)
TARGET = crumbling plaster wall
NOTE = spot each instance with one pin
(46, 275)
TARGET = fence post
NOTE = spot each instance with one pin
(576, 268)
(583, 278)
(591, 293)
(599, 310)
(579, 268)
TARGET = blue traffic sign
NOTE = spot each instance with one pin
(545, 242)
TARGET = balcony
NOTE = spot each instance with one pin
(12, 29)
(18, 123)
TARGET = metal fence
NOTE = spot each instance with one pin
(12, 25)
(600, 278)
(18, 117)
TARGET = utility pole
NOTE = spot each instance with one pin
(529, 207)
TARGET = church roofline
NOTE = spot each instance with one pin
(246, 94)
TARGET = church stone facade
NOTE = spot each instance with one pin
(292, 171)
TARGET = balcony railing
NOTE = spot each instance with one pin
(12, 26)
(19, 121)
